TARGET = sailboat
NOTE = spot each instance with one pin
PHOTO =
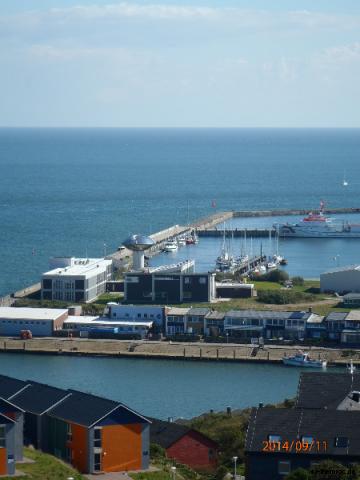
(244, 257)
(225, 260)
(345, 183)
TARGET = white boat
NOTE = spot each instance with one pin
(225, 261)
(345, 183)
(271, 265)
(302, 359)
(181, 241)
(317, 225)
(171, 246)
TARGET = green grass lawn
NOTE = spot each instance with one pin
(46, 467)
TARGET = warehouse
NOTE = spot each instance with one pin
(341, 280)
(76, 279)
(42, 322)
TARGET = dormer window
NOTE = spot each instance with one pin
(355, 396)
(341, 442)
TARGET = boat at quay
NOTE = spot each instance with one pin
(317, 225)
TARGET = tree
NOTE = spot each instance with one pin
(297, 281)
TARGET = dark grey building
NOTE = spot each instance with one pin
(281, 440)
(166, 288)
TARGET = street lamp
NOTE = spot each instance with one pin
(235, 460)
(173, 470)
(227, 337)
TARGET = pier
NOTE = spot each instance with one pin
(237, 232)
(225, 352)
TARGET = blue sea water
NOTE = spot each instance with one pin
(69, 191)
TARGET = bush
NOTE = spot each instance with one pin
(297, 281)
(284, 297)
(277, 276)
(220, 473)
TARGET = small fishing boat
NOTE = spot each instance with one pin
(170, 246)
(181, 241)
(192, 238)
(302, 359)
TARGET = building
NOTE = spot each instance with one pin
(7, 445)
(280, 440)
(97, 327)
(92, 433)
(267, 323)
(320, 390)
(96, 435)
(36, 400)
(76, 279)
(351, 300)
(167, 288)
(137, 313)
(235, 290)
(185, 445)
(195, 320)
(15, 451)
(341, 280)
(42, 322)
(214, 323)
(176, 320)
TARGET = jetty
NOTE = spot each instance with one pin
(226, 352)
(237, 232)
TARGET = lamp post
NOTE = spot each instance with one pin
(227, 337)
(173, 471)
(235, 460)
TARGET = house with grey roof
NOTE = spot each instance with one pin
(341, 280)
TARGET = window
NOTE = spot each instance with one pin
(274, 438)
(307, 440)
(97, 462)
(202, 280)
(68, 432)
(2, 436)
(284, 467)
(341, 442)
(187, 280)
(97, 437)
(211, 454)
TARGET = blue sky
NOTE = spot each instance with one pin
(260, 63)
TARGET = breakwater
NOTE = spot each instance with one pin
(168, 350)
(289, 212)
(237, 232)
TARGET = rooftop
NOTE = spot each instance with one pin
(38, 397)
(31, 313)
(336, 316)
(9, 386)
(268, 314)
(339, 429)
(198, 311)
(353, 315)
(325, 390)
(177, 311)
(106, 322)
(343, 269)
(80, 267)
(215, 315)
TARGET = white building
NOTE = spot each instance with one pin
(341, 280)
(100, 325)
(137, 313)
(76, 279)
(42, 322)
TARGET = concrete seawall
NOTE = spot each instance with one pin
(167, 350)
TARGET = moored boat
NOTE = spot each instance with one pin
(171, 246)
(302, 359)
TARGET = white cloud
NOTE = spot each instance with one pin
(343, 53)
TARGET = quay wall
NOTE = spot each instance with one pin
(238, 232)
(167, 350)
(285, 212)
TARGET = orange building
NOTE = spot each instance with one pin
(95, 434)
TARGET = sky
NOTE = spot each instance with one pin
(184, 63)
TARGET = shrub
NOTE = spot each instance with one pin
(277, 276)
(297, 281)
(284, 297)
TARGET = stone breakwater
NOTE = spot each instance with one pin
(170, 350)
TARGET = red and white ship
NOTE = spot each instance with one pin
(317, 225)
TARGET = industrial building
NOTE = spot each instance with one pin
(76, 279)
(165, 288)
(235, 290)
(42, 322)
(341, 280)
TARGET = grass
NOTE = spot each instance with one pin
(46, 467)
(158, 475)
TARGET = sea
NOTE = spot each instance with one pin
(81, 192)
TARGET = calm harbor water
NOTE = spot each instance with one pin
(158, 387)
(308, 257)
(69, 191)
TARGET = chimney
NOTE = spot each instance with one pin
(310, 309)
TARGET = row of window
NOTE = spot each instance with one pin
(139, 315)
(340, 442)
(23, 322)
